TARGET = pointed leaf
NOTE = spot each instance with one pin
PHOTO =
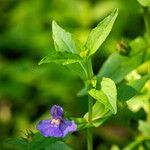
(102, 98)
(100, 33)
(64, 58)
(109, 88)
(63, 40)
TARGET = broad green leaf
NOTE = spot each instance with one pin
(99, 114)
(144, 3)
(58, 146)
(100, 33)
(144, 127)
(117, 67)
(63, 58)
(129, 90)
(111, 66)
(63, 40)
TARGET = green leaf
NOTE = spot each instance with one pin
(144, 3)
(19, 142)
(63, 58)
(63, 40)
(100, 33)
(58, 146)
(40, 142)
(129, 90)
(117, 67)
(99, 114)
(102, 98)
(111, 66)
(144, 127)
(109, 88)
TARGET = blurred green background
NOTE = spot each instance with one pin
(27, 91)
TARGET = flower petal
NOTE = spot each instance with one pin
(48, 129)
(67, 126)
(57, 111)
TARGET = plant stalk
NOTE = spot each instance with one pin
(147, 24)
(89, 130)
(90, 105)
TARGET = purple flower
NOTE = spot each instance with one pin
(57, 126)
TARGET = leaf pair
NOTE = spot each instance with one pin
(72, 52)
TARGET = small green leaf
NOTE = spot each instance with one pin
(99, 114)
(63, 58)
(144, 127)
(63, 40)
(144, 3)
(100, 33)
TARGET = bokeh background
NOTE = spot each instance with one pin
(27, 90)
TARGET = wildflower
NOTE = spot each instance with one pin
(57, 126)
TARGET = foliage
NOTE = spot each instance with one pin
(119, 85)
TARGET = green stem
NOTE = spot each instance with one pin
(89, 130)
(90, 105)
(147, 24)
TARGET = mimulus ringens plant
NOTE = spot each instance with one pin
(78, 58)
(57, 126)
